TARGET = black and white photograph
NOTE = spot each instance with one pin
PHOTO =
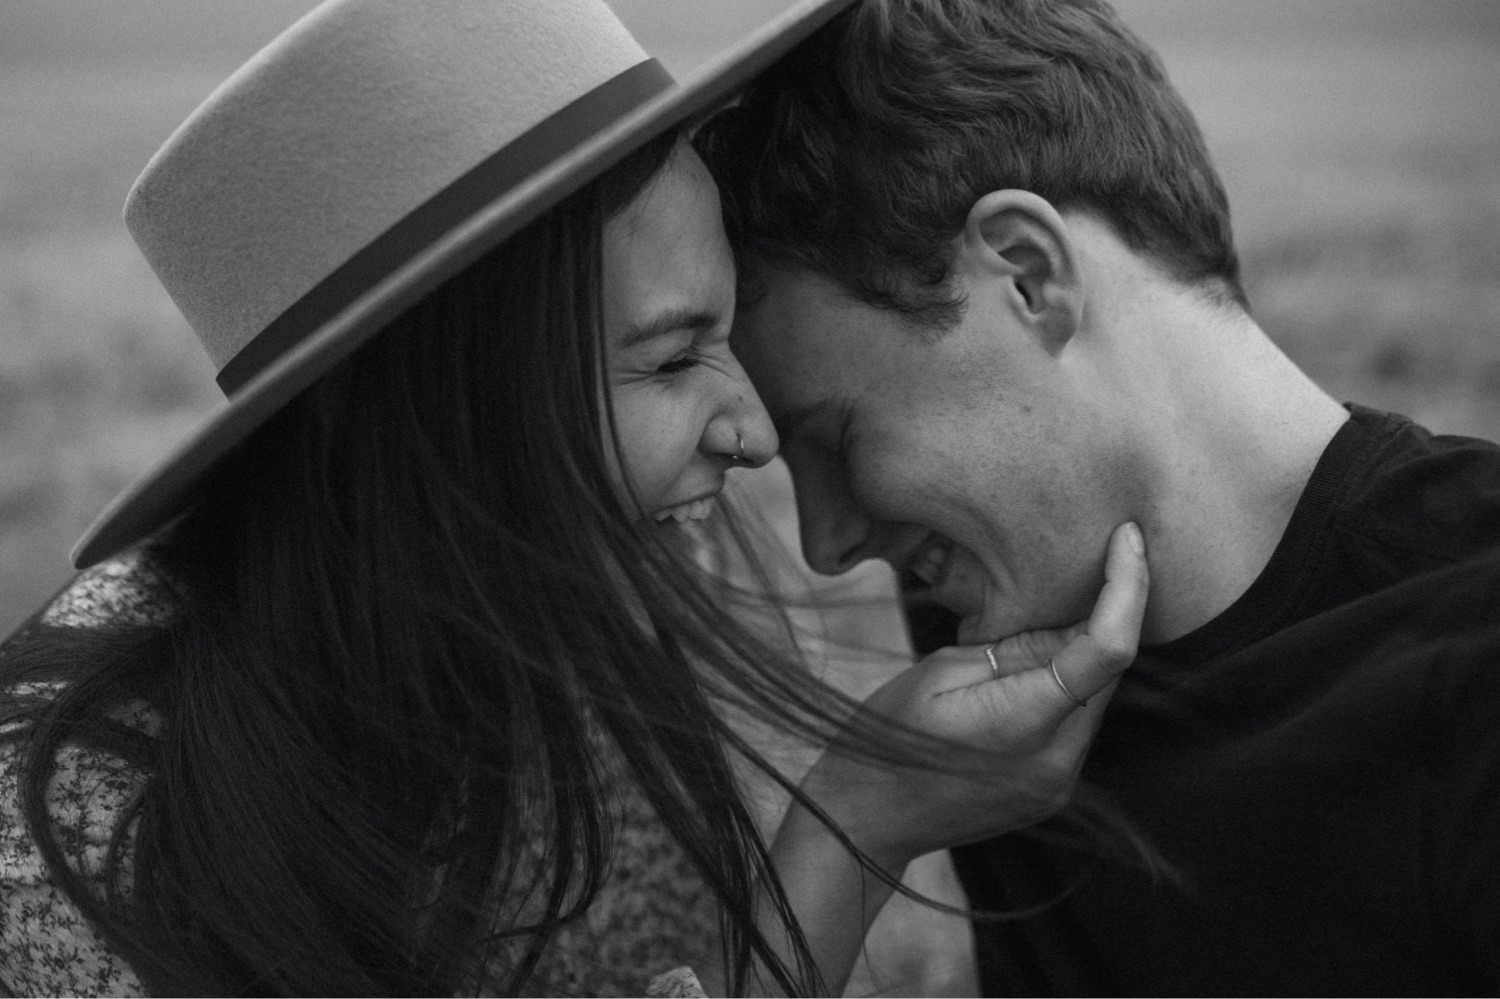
(750, 497)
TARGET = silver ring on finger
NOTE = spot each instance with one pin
(1051, 665)
(989, 653)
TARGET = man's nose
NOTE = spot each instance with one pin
(835, 533)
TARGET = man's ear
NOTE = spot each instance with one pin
(1020, 240)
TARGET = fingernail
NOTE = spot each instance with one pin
(1136, 540)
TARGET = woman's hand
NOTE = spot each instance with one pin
(1027, 738)
(1030, 734)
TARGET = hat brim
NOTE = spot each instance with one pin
(165, 491)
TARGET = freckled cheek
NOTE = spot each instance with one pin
(634, 431)
(886, 488)
(912, 480)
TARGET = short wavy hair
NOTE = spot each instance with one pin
(860, 154)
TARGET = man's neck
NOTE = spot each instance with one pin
(1231, 458)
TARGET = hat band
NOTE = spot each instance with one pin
(444, 211)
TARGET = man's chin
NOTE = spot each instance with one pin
(971, 631)
(984, 627)
(935, 625)
(979, 629)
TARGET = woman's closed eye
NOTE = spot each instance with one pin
(684, 361)
(708, 350)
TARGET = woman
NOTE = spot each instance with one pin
(402, 683)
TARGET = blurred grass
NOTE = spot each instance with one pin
(98, 373)
(1358, 141)
(1365, 184)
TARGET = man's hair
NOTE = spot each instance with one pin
(860, 154)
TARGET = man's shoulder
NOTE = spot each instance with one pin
(1430, 495)
(1429, 631)
(1387, 656)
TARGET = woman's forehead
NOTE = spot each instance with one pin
(665, 255)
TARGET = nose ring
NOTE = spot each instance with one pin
(740, 455)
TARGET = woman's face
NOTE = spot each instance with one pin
(682, 403)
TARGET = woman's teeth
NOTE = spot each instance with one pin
(684, 512)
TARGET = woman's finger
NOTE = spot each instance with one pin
(968, 665)
(1044, 676)
(1093, 660)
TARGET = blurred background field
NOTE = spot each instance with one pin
(1358, 138)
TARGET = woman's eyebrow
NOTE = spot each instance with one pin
(670, 321)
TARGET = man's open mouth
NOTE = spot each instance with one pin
(928, 565)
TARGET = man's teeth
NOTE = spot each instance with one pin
(928, 564)
(684, 512)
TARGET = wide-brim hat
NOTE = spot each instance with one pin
(368, 154)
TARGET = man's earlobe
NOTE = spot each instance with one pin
(1019, 239)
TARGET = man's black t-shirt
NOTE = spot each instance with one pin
(1321, 763)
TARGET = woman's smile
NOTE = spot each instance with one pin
(698, 509)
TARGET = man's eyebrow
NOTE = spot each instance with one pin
(788, 425)
(692, 320)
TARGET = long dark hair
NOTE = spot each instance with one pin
(407, 621)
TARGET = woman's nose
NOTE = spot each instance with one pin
(742, 429)
(761, 442)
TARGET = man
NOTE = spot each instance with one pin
(992, 300)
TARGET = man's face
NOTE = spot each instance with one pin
(973, 460)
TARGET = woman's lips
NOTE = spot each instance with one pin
(698, 509)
